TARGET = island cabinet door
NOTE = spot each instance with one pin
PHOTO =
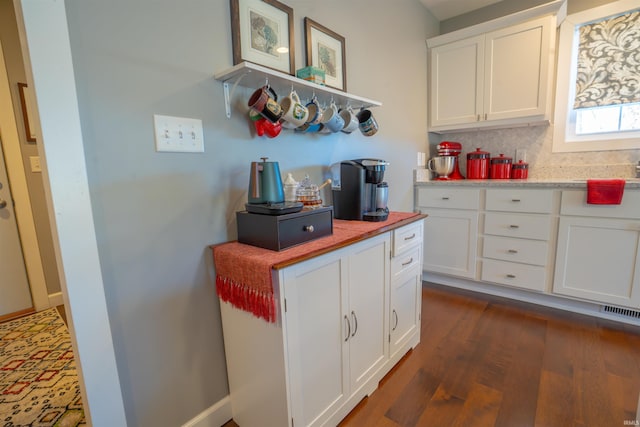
(316, 333)
(368, 301)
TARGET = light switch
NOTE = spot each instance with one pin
(34, 161)
(178, 134)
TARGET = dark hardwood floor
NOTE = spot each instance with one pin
(487, 361)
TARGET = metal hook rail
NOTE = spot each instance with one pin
(251, 75)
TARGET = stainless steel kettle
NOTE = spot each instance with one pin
(265, 183)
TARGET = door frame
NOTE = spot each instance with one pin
(20, 193)
(46, 48)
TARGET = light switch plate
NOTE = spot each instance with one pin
(34, 161)
(178, 134)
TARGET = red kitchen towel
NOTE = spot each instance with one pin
(244, 273)
(605, 191)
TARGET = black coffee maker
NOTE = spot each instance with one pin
(358, 190)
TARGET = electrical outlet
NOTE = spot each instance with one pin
(178, 134)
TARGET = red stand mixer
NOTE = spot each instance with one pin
(449, 148)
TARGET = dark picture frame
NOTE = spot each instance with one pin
(26, 102)
(262, 33)
(325, 49)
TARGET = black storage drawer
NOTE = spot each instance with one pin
(278, 232)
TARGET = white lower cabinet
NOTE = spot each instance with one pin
(335, 320)
(331, 344)
(450, 230)
(406, 291)
(599, 258)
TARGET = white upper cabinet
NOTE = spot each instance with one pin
(499, 78)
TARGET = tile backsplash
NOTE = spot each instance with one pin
(543, 164)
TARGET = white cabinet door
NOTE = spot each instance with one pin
(451, 242)
(336, 328)
(316, 337)
(456, 82)
(599, 259)
(368, 300)
(405, 310)
(517, 70)
(498, 79)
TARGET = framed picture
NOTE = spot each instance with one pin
(325, 50)
(262, 33)
(26, 102)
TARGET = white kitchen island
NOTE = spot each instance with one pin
(346, 312)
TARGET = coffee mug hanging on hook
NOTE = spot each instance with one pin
(367, 123)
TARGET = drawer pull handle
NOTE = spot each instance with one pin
(512, 251)
(355, 322)
(514, 226)
(515, 200)
(511, 276)
(410, 237)
(395, 314)
(445, 198)
(404, 264)
(308, 228)
(349, 328)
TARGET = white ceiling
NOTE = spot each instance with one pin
(445, 9)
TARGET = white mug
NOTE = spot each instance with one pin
(294, 113)
(331, 119)
(351, 122)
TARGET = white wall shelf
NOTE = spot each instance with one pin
(251, 75)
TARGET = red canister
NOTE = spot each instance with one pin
(501, 167)
(478, 164)
(520, 170)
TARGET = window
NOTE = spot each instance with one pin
(600, 117)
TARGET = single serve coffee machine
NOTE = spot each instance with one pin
(358, 190)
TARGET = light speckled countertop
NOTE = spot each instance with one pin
(533, 183)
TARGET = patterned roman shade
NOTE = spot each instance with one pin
(608, 70)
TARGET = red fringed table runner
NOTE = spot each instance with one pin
(244, 273)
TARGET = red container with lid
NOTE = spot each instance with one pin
(520, 170)
(478, 164)
(501, 167)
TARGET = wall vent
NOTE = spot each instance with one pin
(625, 312)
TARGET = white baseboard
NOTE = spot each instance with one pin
(214, 416)
(55, 299)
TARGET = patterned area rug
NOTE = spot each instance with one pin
(38, 380)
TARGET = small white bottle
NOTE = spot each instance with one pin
(290, 189)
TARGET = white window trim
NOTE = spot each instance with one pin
(565, 89)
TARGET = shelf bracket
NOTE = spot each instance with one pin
(229, 94)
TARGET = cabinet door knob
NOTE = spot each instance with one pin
(512, 251)
(3, 203)
(511, 276)
(514, 226)
(395, 314)
(308, 228)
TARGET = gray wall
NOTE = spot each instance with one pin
(16, 74)
(157, 213)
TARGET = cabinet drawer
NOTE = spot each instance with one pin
(519, 200)
(574, 202)
(513, 274)
(451, 198)
(518, 250)
(518, 225)
(406, 261)
(406, 237)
